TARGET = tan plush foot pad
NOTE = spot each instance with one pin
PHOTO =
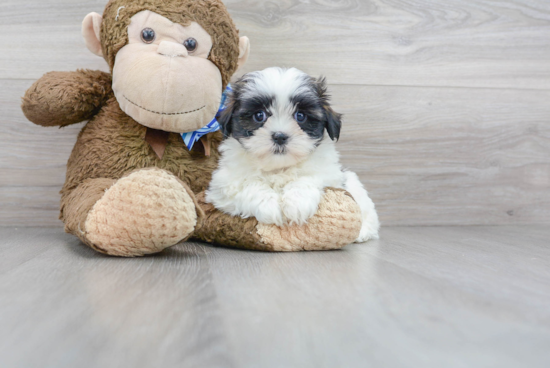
(142, 213)
(336, 224)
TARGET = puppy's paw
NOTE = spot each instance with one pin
(367, 234)
(369, 227)
(300, 204)
(337, 223)
(269, 211)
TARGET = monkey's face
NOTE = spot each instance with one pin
(163, 79)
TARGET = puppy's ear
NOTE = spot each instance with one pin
(333, 120)
(225, 117)
(333, 123)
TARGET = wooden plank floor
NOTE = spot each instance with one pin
(420, 297)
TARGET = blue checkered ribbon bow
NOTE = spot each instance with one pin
(192, 137)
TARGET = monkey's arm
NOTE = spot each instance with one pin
(64, 98)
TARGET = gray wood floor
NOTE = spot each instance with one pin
(420, 297)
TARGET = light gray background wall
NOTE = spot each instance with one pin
(446, 102)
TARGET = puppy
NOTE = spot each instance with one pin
(279, 153)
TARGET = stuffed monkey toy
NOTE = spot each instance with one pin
(134, 186)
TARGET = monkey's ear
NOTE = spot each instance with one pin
(90, 31)
(224, 118)
(244, 50)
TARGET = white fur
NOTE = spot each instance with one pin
(280, 189)
(370, 226)
(282, 84)
(241, 187)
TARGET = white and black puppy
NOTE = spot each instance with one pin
(279, 152)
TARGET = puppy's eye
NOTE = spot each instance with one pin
(260, 117)
(148, 35)
(300, 117)
(190, 44)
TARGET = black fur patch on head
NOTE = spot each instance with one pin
(225, 116)
(238, 118)
(316, 106)
(310, 99)
(308, 103)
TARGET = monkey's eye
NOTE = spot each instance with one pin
(190, 44)
(148, 35)
(300, 117)
(260, 117)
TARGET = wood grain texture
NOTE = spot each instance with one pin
(468, 43)
(419, 297)
(445, 156)
(449, 156)
(32, 162)
(447, 120)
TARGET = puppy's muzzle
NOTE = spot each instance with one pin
(279, 138)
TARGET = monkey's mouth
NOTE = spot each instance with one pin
(163, 113)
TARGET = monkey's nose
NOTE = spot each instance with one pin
(172, 49)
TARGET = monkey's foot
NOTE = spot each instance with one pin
(336, 224)
(142, 213)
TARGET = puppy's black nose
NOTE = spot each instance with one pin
(280, 138)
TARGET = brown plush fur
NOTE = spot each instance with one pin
(229, 231)
(64, 98)
(76, 205)
(119, 197)
(112, 144)
(210, 14)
